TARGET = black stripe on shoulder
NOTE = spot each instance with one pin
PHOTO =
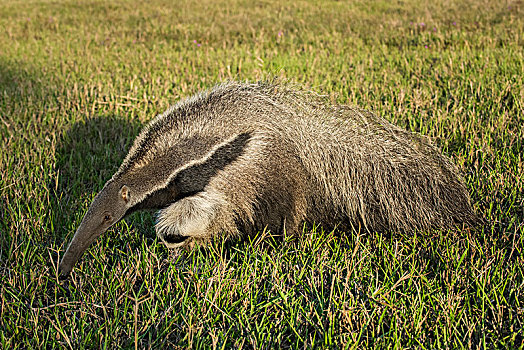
(195, 178)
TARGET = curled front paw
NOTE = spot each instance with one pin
(185, 220)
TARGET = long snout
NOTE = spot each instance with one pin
(86, 234)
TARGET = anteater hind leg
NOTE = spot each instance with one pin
(189, 219)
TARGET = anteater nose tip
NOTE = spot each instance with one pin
(63, 272)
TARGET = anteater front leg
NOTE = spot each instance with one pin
(190, 219)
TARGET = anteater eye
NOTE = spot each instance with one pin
(107, 217)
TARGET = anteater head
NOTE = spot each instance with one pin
(157, 172)
(108, 207)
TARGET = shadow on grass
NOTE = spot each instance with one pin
(19, 82)
(88, 154)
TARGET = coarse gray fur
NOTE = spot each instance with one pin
(243, 157)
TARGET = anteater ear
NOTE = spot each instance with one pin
(124, 192)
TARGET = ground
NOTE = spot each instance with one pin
(79, 78)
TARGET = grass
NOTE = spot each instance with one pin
(78, 79)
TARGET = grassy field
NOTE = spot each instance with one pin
(79, 78)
